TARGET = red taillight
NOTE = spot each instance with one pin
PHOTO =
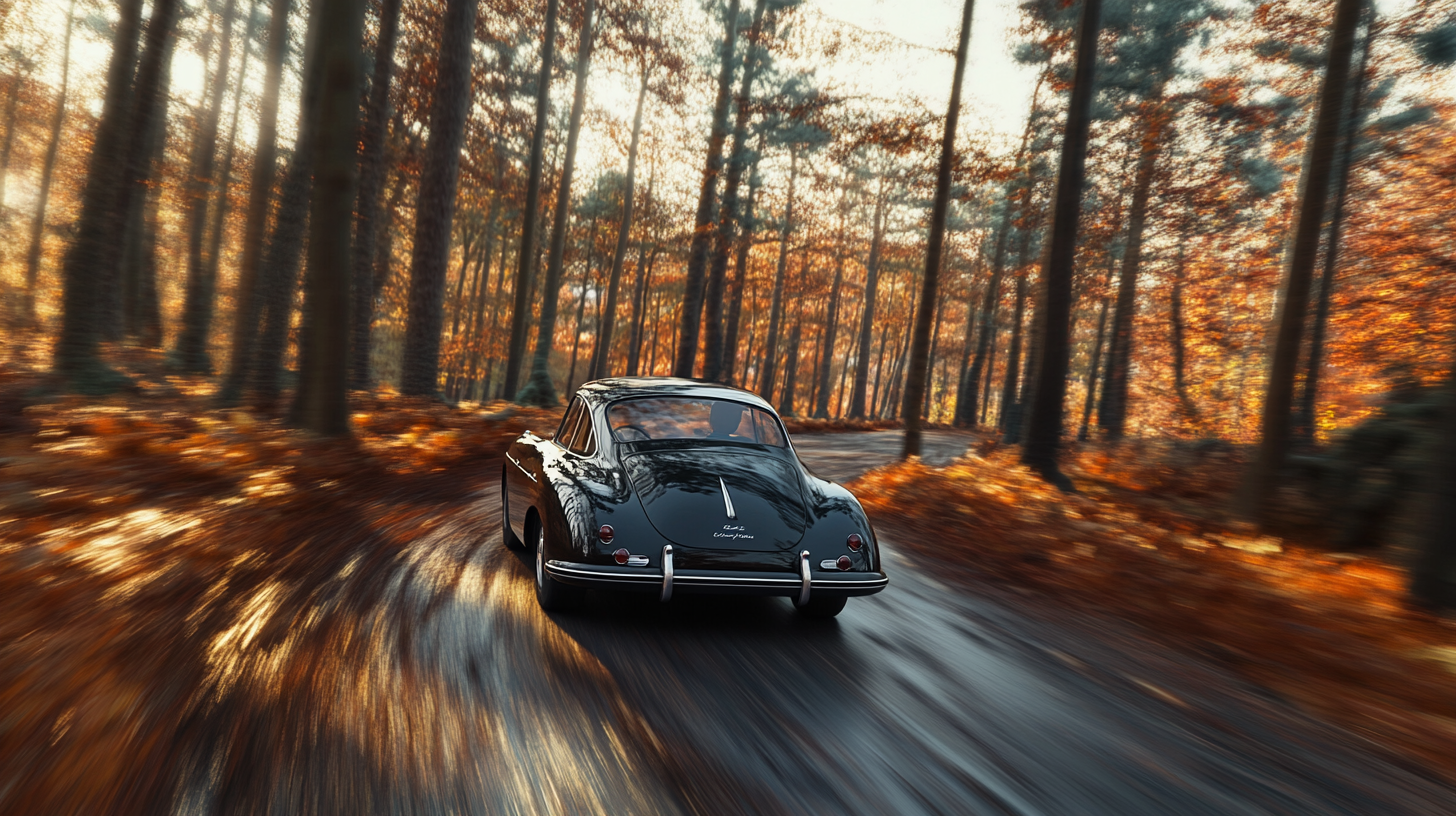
(854, 542)
(842, 563)
(606, 534)
(621, 556)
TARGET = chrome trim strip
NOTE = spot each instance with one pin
(666, 573)
(713, 579)
(804, 577)
(880, 582)
(564, 568)
(727, 500)
(567, 568)
(521, 467)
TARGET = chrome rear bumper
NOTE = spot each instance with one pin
(677, 581)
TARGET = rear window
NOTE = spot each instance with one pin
(660, 418)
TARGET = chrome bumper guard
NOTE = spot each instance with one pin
(806, 580)
(669, 580)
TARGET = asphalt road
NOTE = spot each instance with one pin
(443, 689)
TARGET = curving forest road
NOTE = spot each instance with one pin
(439, 687)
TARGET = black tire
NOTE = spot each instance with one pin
(552, 595)
(822, 608)
(508, 536)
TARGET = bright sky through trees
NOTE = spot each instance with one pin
(998, 89)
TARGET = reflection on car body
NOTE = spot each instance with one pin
(667, 485)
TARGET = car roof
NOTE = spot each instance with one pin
(617, 388)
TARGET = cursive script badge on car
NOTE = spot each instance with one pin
(671, 486)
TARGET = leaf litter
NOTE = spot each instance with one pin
(1151, 544)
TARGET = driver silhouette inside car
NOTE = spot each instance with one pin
(725, 419)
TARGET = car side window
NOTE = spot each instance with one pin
(769, 432)
(584, 441)
(568, 423)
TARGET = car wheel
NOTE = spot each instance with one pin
(821, 607)
(552, 595)
(508, 536)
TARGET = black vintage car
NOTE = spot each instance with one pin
(675, 486)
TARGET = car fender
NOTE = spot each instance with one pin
(835, 514)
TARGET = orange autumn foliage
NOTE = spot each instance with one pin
(1331, 632)
(132, 533)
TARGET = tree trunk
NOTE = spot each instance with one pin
(746, 225)
(1175, 317)
(965, 413)
(473, 268)
(791, 369)
(539, 389)
(968, 347)
(435, 210)
(12, 103)
(639, 293)
(146, 123)
(1009, 420)
(1044, 417)
(839, 392)
(692, 313)
(321, 399)
(831, 323)
(384, 242)
(771, 345)
(639, 301)
(728, 215)
(149, 301)
(934, 350)
(371, 186)
(970, 386)
(140, 309)
(619, 257)
(867, 316)
(815, 358)
(222, 201)
(934, 251)
(77, 348)
(191, 353)
(1096, 361)
(1263, 475)
(136, 202)
(279, 273)
(1112, 416)
(894, 402)
(656, 332)
(874, 406)
(255, 223)
(1433, 576)
(474, 306)
(47, 172)
(470, 236)
(1031, 362)
(1304, 424)
(481, 336)
(673, 313)
(586, 279)
(531, 210)
(749, 350)
(990, 371)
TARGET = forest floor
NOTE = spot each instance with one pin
(115, 513)
(131, 525)
(1147, 539)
